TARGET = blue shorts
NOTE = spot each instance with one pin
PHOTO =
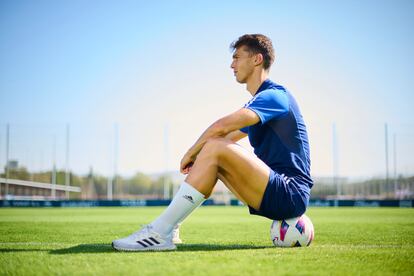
(283, 198)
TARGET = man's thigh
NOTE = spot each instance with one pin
(243, 173)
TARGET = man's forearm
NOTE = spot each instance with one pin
(235, 121)
(212, 131)
(235, 135)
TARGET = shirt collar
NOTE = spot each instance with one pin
(265, 85)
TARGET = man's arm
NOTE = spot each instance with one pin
(221, 128)
(236, 135)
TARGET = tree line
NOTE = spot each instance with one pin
(94, 186)
(143, 186)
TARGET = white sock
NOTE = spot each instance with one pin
(186, 200)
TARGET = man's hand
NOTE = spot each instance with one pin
(186, 164)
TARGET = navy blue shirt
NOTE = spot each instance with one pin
(280, 138)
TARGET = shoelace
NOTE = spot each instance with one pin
(146, 237)
(145, 230)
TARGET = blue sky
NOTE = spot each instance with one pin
(147, 65)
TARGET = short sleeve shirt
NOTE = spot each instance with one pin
(280, 138)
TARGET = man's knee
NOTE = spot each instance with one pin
(215, 145)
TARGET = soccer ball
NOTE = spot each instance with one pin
(292, 232)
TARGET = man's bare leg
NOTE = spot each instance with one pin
(213, 162)
(240, 170)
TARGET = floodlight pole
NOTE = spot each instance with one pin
(67, 173)
(335, 162)
(109, 188)
(7, 159)
(386, 158)
(114, 153)
(54, 168)
(395, 164)
(116, 141)
(166, 184)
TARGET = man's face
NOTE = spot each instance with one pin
(242, 64)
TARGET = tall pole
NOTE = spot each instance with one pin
(386, 158)
(166, 184)
(67, 171)
(115, 164)
(114, 153)
(109, 188)
(335, 161)
(88, 193)
(7, 159)
(54, 168)
(395, 164)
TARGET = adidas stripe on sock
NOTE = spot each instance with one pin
(186, 200)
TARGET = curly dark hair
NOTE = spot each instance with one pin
(256, 44)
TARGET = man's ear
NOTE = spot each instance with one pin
(258, 59)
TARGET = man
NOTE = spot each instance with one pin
(274, 182)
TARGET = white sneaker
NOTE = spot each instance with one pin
(146, 239)
(176, 235)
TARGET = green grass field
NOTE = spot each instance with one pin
(217, 240)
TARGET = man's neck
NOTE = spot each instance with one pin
(254, 82)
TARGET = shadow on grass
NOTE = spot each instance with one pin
(84, 248)
(107, 248)
(81, 248)
(8, 250)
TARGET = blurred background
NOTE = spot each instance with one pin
(100, 99)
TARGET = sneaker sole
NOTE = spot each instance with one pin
(145, 249)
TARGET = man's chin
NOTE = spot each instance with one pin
(240, 80)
